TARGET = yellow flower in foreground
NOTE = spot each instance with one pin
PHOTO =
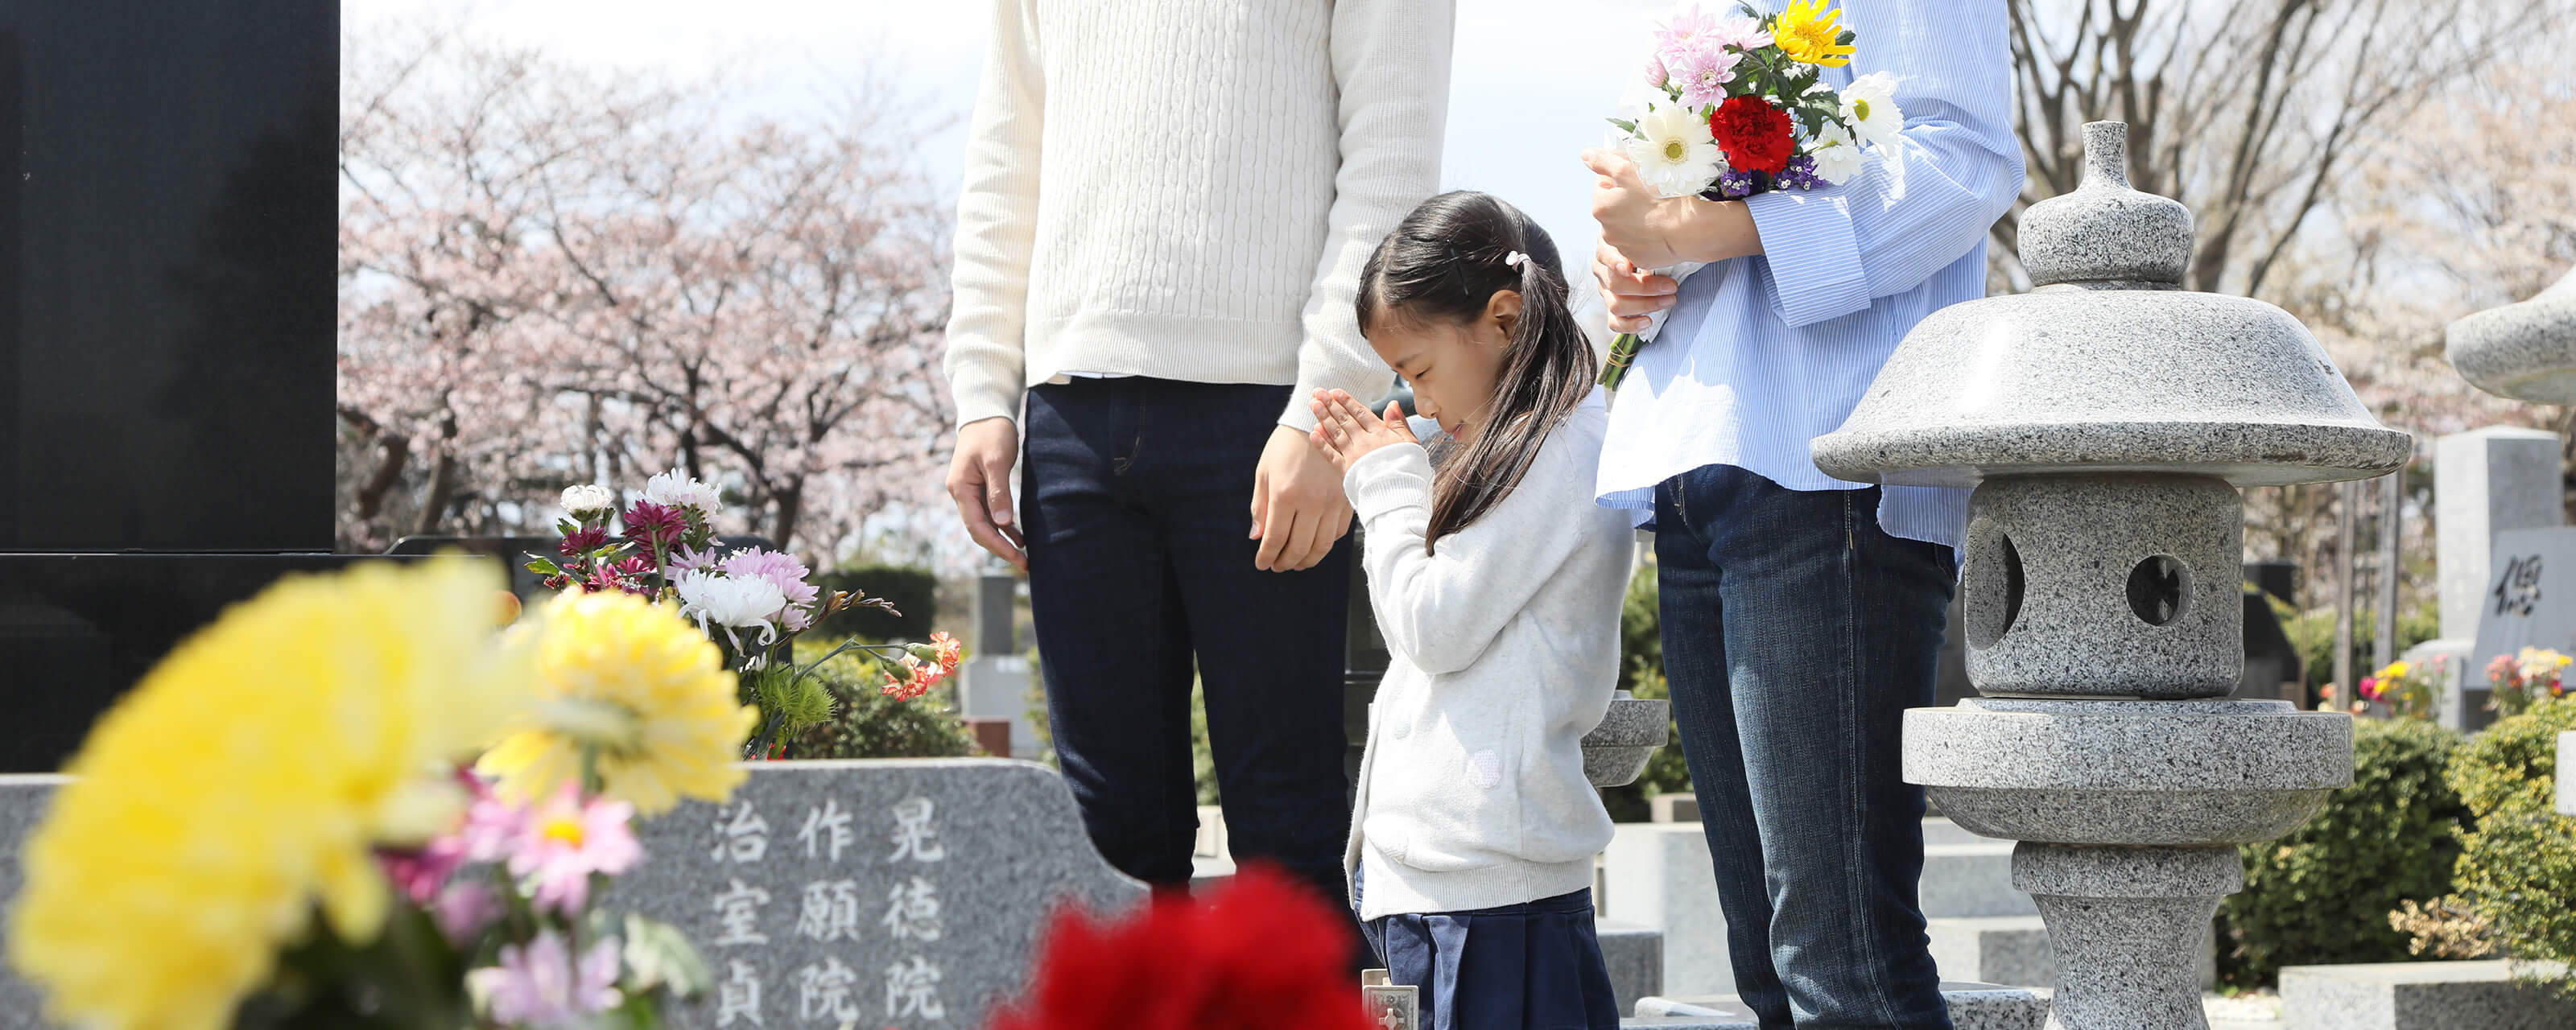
(1807, 33)
(244, 781)
(641, 685)
(2395, 671)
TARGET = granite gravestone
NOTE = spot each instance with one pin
(168, 309)
(900, 894)
(2530, 601)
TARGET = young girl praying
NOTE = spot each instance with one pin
(1496, 581)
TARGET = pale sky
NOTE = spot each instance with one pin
(1532, 79)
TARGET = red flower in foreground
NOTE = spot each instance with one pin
(1755, 135)
(1264, 953)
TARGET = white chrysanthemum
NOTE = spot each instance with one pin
(677, 490)
(714, 599)
(1869, 104)
(1674, 153)
(588, 497)
(1837, 156)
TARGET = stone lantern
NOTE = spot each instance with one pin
(2524, 351)
(2106, 420)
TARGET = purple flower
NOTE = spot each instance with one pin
(1735, 184)
(775, 566)
(1702, 70)
(537, 984)
(463, 910)
(1798, 174)
(690, 559)
(583, 541)
(655, 526)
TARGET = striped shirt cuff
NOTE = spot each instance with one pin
(1807, 240)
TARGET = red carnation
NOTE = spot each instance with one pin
(1264, 953)
(1755, 135)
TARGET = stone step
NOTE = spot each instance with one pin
(1998, 950)
(1971, 881)
(2418, 996)
(1973, 1006)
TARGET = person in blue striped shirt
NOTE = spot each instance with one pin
(1803, 614)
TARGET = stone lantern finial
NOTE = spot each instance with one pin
(2105, 235)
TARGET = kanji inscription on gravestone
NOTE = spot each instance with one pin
(2530, 599)
(899, 894)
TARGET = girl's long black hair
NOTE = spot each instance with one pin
(1443, 264)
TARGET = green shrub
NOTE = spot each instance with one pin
(2323, 893)
(914, 591)
(2517, 869)
(1641, 671)
(867, 724)
(2311, 633)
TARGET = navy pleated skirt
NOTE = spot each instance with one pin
(1532, 966)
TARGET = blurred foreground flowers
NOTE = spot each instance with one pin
(276, 825)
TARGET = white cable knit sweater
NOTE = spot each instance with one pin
(1187, 189)
(1503, 650)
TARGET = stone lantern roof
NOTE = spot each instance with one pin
(2109, 365)
(2525, 351)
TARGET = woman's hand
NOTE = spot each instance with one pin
(1657, 231)
(1345, 429)
(1632, 295)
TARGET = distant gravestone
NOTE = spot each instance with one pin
(900, 894)
(2530, 601)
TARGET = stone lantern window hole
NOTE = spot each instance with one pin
(2159, 589)
(1995, 584)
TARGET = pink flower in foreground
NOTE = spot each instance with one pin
(1656, 72)
(420, 872)
(950, 650)
(537, 984)
(1686, 28)
(690, 559)
(565, 840)
(917, 679)
(1740, 33)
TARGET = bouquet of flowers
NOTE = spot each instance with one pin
(2520, 679)
(279, 828)
(753, 602)
(1737, 105)
(2404, 690)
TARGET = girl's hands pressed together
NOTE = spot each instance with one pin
(1346, 431)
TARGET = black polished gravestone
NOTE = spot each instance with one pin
(168, 278)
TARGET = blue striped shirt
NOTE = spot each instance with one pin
(1763, 354)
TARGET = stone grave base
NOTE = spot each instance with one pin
(2418, 996)
(1973, 1006)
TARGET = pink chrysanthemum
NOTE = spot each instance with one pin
(565, 839)
(775, 566)
(1685, 29)
(1740, 33)
(1702, 70)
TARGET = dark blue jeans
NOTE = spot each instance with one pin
(1796, 633)
(1137, 498)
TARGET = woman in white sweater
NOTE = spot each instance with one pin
(1496, 582)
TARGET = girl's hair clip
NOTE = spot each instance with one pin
(1514, 259)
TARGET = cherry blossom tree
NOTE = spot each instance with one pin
(552, 274)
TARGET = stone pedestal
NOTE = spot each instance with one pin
(2106, 420)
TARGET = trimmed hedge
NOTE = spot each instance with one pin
(914, 591)
(2518, 869)
(2322, 894)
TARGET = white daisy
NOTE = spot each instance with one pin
(1837, 157)
(1869, 104)
(1674, 152)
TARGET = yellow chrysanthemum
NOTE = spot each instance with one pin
(1808, 34)
(244, 781)
(642, 686)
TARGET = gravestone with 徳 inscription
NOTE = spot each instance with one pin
(898, 893)
(901, 894)
(2530, 601)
